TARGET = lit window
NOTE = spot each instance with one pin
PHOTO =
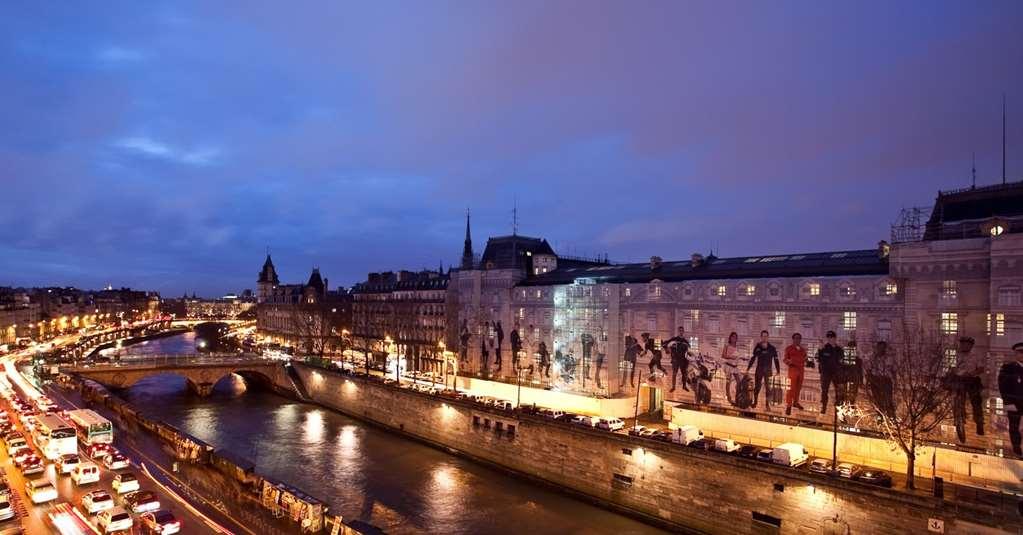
(538, 294)
(814, 288)
(628, 292)
(849, 321)
(949, 289)
(847, 291)
(721, 291)
(950, 358)
(656, 290)
(522, 313)
(949, 322)
(694, 344)
(778, 321)
(849, 355)
(997, 230)
(750, 290)
(890, 288)
(999, 324)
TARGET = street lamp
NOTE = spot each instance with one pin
(635, 421)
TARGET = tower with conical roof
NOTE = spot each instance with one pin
(267, 280)
(467, 255)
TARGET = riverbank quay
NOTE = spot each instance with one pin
(222, 483)
(680, 488)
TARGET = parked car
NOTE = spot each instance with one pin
(6, 511)
(85, 473)
(701, 443)
(163, 522)
(765, 454)
(686, 434)
(68, 463)
(96, 501)
(116, 461)
(610, 424)
(141, 501)
(40, 490)
(821, 465)
(566, 417)
(583, 420)
(726, 445)
(874, 476)
(637, 431)
(504, 405)
(116, 519)
(663, 435)
(555, 414)
(848, 470)
(790, 454)
(125, 482)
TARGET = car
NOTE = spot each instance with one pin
(15, 443)
(85, 473)
(6, 511)
(116, 461)
(97, 451)
(504, 405)
(610, 424)
(125, 482)
(583, 420)
(726, 445)
(874, 476)
(664, 435)
(96, 501)
(141, 501)
(68, 463)
(40, 490)
(554, 414)
(821, 465)
(649, 433)
(22, 454)
(114, 519)
(848, 470)
(32, 465)
(163, 522)
(702, 443)
(765, 455)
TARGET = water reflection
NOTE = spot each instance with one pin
(364, 472)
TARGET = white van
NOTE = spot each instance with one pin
(85, 473)
(726, 445)
(686, 434)
(610, 424)
(790, 454)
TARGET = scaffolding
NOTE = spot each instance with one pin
(909, 227)
(580, 334)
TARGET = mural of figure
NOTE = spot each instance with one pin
(500, 342)
(849, 376)
(650, 348)
(764, 354)
(879, 380)
(529, 346)
(734, 376)
(601, 355)
(484, 352)
(516, 345)
(965, 381)
(828, 358)
(463, 338)
(545, 360)
(678, 348)
(795, 366)
(1010, 386)
(632, 351)
(587, 341)
(702, 371)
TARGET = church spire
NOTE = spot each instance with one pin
(467, 255)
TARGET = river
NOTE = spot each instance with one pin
(361, 471)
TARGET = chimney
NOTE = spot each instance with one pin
(655, 263)
(883, 249)
(696, 260)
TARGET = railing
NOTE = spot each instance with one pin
(176, 361)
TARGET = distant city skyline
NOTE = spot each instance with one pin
(165, 146)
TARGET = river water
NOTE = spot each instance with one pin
(360, 471)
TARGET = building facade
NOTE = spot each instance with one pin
(310, 318)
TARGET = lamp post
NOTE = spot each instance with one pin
(834, 442)
(518, 386)
(635, 421)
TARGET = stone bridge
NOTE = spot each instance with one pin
(200, 371)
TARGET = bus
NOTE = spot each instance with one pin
(55, 436)
(92, 428)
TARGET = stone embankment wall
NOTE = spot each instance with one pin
(679, 488)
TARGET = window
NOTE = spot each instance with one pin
(714, 324)
(778, 320)
(884, 329)
(949, 289)
(694, 344)
(742, 326)
(1009, 296)
(806, 326)
(655, 290)
(949, 323)
(814, 288)
(749, 290)
(999, 324)
(950, 358)
(847, 291)
(499, 427)
(849, 355)
(522, 313)
(849, 321)
(996, 230)
(537, 294)
(651, 322)
(774, 290)
(628, 292)
(511, 430)
(687, 291)
(890, 289)
(721, 290)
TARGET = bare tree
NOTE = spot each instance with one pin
(314, 331)
(907, 390)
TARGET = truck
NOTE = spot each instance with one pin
(790, 454)
(686, 434)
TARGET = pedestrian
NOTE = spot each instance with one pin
(965, 379)
(1010, 386)
(678, 348)
(545, 360)
(650, 347)
(828, 358)
(516, 345)
(632, 351)
(795, 365)
(764, 354)
(500, 342)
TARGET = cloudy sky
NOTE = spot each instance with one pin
(166, 145)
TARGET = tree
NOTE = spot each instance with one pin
(907, 390)
(314, 331)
